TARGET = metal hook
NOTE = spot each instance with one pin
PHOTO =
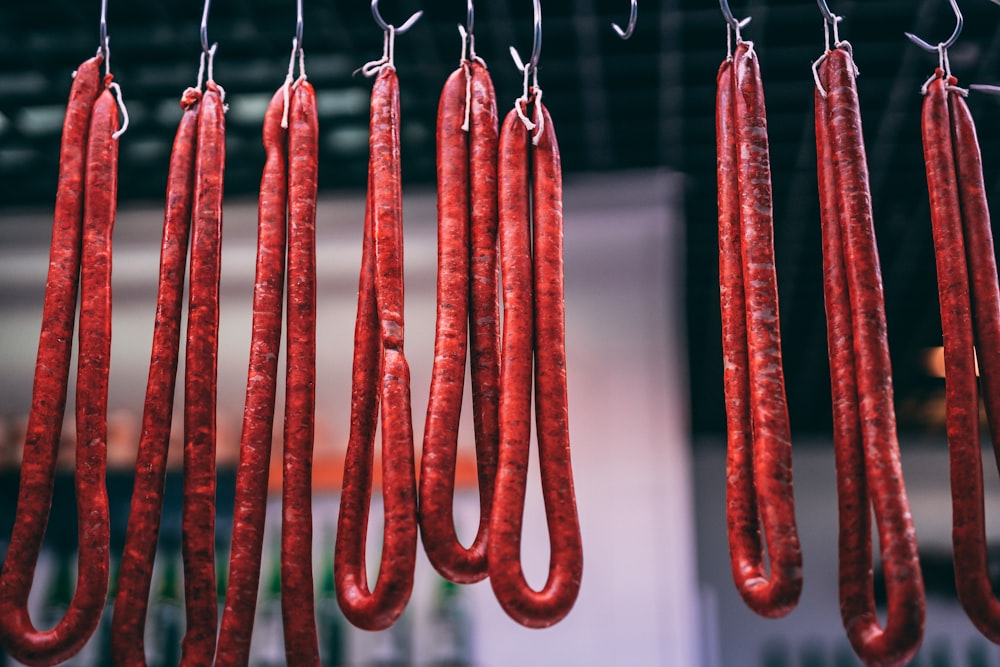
(734, 24)
(105, 49)
(298, 27)
(831, 18)
(205, 47)
(935, 48)
(633, 11)
(536, 44)
(388, 26)
(471, 15)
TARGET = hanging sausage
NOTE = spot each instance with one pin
(759, 463)
(136, 570)
(79, 259)
(866, 448)
(381, 379)
(467, 313)
(200, 378)
(533, 355)
(970, 319)
(250, 502)
(298, 608)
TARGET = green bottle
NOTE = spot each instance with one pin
(165, 626)
(268, 645)
(329, 618)
(451, 627)
(102, 638)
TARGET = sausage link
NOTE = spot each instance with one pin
(444, 404)
(378, 609)
(534, 330)
(766, 491)
(94, 354)
(899, 640)
(250, 504)
(853, 503)
(352, 525)
(741, 499)
(17, 632)
(200, 375)
(297, 603)
(954, 192)
(468, 307)
(981, 258)
(484, 316)
(554, 601)
(517, 349)
(962, 405)
(136, 570)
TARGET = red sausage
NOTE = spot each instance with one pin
(135, 574)
(444, 404)
(981, 259)
(513, 187)
(297, 604)
(853, 504)
(484, 311)
(534, 324)
(84, 194)
(94, 355)
(741, 499)
(899, 640)
(766, 491)
(200, 370)
(378, 609)
(262, 381)
(953, 199)
(467, 306)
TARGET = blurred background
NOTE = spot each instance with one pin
(635, 121)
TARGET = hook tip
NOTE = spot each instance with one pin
(624, 34)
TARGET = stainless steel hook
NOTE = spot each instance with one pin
(945, 45)
(831, 18)
(633, 11)
(536, 45)
(205, 47)
(298, 26)
(105, 49)
(735, 24)
(388, 26)
(469, 17)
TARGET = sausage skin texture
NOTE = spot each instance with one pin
(899, 640)
(200, 375)
(956, 191)
(250, 503)
(853, 504)
(982, 263)
(297, 603)
(444, 405)
(741, 498)
(82, 225)
(136, 570)
(468, 308)
(484, 317)
(379, 608)
(760, 493)
(979, 249)
(534, 331)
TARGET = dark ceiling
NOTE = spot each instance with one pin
(647, 102)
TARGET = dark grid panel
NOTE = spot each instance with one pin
(601, 91)
(788, 37)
